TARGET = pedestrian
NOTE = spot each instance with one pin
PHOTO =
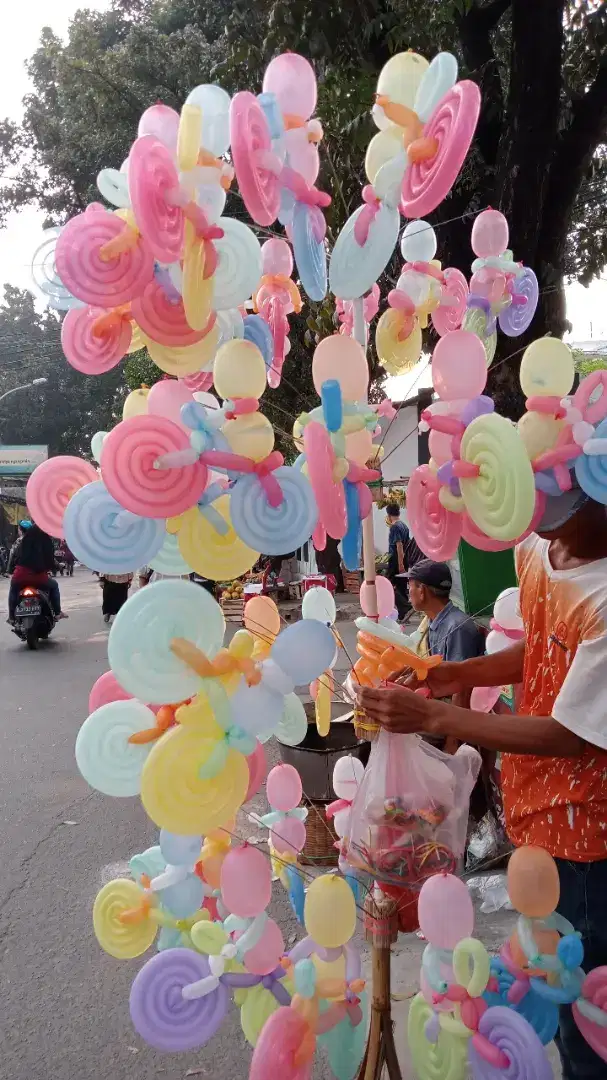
(68, 558)
(115, 593)
(403, 554)
(554, 764)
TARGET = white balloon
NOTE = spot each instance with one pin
(239, 266)
(318, 603)
(507, 609)
(415, 285)
(230, 324)
(96, 445)
(212, 199)
(341, 822)
(418, 242)
(114, 187)
(496, 642)
(347, 775)
(214, 103)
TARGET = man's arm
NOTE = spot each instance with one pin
(400, 556)
(448, 678)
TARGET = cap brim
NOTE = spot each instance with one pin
(560, 508)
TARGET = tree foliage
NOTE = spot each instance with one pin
(538, 155)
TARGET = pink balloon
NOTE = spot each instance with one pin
(459, 365)
(276, 257)
(593, 991)
(199, 381)
(489, 283)
(246, 881)
(385, 597)
(283, 788)
(288, 835)
(107, 689)
(342, 358)
(277, 1045)
(162, 122)
(440, 447)
(445, 911)
(483, 698)
(303, 154)
(167, 397)
(265, 955)
(447, 975)
(291, 77)
(258, 768)
(489, 234)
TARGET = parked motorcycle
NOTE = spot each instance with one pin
(34, 616)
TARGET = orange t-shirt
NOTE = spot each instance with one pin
(561, 803)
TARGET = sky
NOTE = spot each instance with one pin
(586, 308)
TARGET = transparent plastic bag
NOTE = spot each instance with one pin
(410, 814)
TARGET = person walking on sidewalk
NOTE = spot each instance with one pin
(403, 554)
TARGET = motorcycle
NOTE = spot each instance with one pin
(34, 616)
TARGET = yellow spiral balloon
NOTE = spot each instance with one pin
(197, 291)
(214, 555)
(330, 911)
(501, 500)
(475, 320)
(179, 361)
(397, 356)
(384, 146)
(445, 1059)
(176, 798)
(123, 940)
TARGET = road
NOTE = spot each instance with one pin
(64, 1011)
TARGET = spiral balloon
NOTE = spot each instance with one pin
(239, 264)
(106, 538)
(517, 318)
(114, 186)
(444, 1059)
(102, 282)
(543, 1015)
(448, 317)
(353, 270)
(51, 486)
(452, 124)
(130, 452)
(590, 469)
(107, 760)
(122, 939)
(274, 529)
(309, 250)
(329, 494)
(396, 355)
(165, 321)
(251, 144)
(475, 320)
(510, 1033)
(169, 560)
(159, 1011)
(436, 530)
(90, 350)
(187, 361)
(590, 1011)
(174, 795)
(45, 276)
(152, 178)
(280, 1040)
(139, 644)
(213, 553)
(501, 499)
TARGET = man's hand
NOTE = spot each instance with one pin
(442, 681)
(398, 709)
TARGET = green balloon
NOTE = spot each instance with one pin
(293, 725)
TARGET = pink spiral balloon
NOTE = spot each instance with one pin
(90, 350)
(153, 180)
(436, 530)
(129, 453)
(452, 124)
(258, 768)
(164, 321)
(50, 488)
(99, 281)
(251, 140)
(277, 1045)
(200, 380)
(594, 994)
(107, 689)
(446, 318)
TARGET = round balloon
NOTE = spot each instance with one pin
(445, 911)
(330, 911)
(318, 603)
(261, 617)
(277, 1046)
(121, 939)
(107, 538)
(160, 1010)
(342, 358)
(293, 726)
(246, 881)
(105, 756)
(533, 882)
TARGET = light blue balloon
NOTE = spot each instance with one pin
(351, 544)
(304, 974)
(179, 850)
(256, 709)
(297, 892)
(274, 529)
(310, 252)
(168, 938)
(293, 725)
(353, 269)
(304, 650)
(169, 560)
(437, 80)
(346, 1044)
(149, 862)
(330, 395)
(257, 330)
(591, 469)
(107, 538)
(184, 898)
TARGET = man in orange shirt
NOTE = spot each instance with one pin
(554, 768)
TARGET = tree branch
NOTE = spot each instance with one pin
(475, 30)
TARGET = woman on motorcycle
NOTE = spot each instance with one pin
(31, 562)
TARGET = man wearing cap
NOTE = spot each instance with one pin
(554, 763)
(451, 634)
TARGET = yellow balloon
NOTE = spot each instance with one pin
(261, 617)
(258, 1004)
(333, 970)
(399, 79)
(135, 403)
(208, 938)
(214, 555)
(251, 435)
(359, 446)
(539, 432)
(123, 940)
(187, 360)
(127, 216)
(242, 644)
(322, 705)
(176, 798)
(329, 910)
(239, 371)
(383, 147)
(397, 356)
(298, 436)
(137, 341)
(197, 291)
(199, 716)
(189, 137)
(547, 368)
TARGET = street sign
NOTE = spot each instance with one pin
(21, 460)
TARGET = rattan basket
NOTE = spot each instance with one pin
(319, 848)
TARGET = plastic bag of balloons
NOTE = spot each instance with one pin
(410, 814)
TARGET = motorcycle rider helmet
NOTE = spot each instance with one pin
(25, 524)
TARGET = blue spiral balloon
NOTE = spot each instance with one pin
(591, 469)
(354, 269)
(310, 253)
(542, 1015)
(105, 537)
(274, 530)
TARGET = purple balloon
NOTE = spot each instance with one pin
(517, 317)
(161, 1014)
(478, 406)
(445, 472)
(511, 1034)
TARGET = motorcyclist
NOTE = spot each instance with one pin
(31, 562)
